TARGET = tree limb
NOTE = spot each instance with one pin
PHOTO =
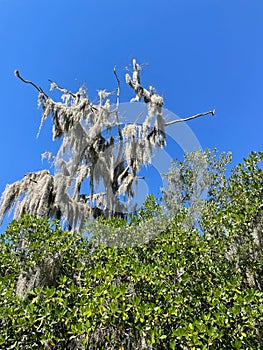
(190, 118)
(56, 86)
(118, 90)
(17, 74)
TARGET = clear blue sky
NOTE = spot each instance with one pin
(199, 54)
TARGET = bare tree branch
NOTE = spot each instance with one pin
(17, 74)
(56, 86)
(190, 118)
(118, 90)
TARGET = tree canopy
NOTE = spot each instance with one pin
(197, 284)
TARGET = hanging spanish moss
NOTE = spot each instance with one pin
(85, 153)
(110, 163)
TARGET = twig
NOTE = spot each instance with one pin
(75, 96)
(41, 322)
(17, 74)
(190, 118)
(56, 86)
(118, 90)
(142, 178)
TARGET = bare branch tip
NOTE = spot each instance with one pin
(16, 73)
(213, 112)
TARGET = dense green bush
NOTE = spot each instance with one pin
(197, 284)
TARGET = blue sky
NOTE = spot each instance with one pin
(199, 55)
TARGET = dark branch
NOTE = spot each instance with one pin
(17, 74)
(75, 96)
(118, 91)
(62, 89)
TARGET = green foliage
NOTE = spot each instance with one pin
(191, 286)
